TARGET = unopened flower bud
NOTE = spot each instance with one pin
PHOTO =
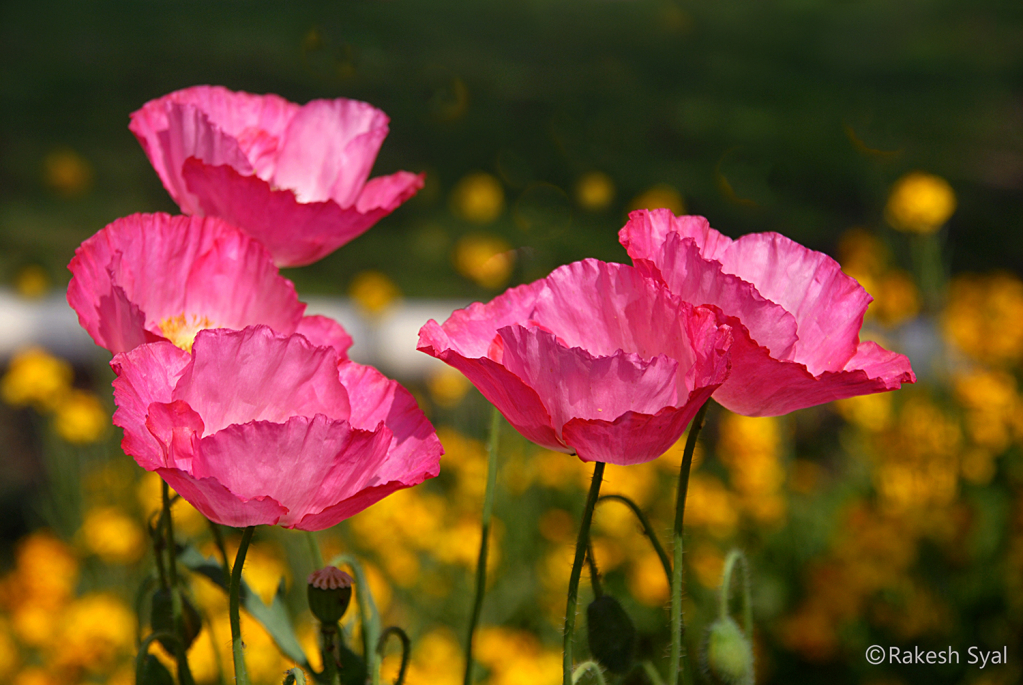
(728, 655)
(611, 634)
(330, 591)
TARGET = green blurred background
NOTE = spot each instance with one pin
(894, 520)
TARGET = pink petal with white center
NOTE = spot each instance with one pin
(328, 150)
(256, 375)
(325, 332)
(210, 275)
(145, 375)
(296, 233)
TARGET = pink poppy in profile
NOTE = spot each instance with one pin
(258, 428)
(796, 316)
(151, 277)
(595, 359)
(293, 177)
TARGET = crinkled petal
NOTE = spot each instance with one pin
(518, 402)
(325, 332)
(306, 464)
(256, 375)
(633, 438)
(575, 384)
(219, 504)
(760, 385)
(676, 260)
(827, 304)
(591, 343)
(296, 233)
(209, 271)
(237, 121)
(415, 449)
(328, 150)
(145, 375)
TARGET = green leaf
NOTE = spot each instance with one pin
(275, 618)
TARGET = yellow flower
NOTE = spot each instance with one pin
(67, 172)
(872, 412)
(373, 291)
(436, 660)
(646, 579)
(116, 538)
(896, 298)
(36, 377)
(35, 676)
(984, 317)
(485, 259)
(447, 387)
(478, 197)
(95, 630)
(707, 563)
(920, 203)
(32, 281)
(594, 191)
(46, 568)
(81, 418)
(660, 196)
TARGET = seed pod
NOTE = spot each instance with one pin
(329, 592)
(728, 654)
(611, 634)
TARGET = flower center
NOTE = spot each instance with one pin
(182, 329)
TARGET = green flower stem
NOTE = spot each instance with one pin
(180, 655)
(481, 563)
(648, 530)
(406, 650)
(314, 550)
(577, 567)
(328, 652)
(591, 667)
(737, 558)
(241, 674)
(594, 571)
(218, 540)
(368, 614)
(675, 658)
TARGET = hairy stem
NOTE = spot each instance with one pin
(675, 657)
(577, 567)
(481, 563)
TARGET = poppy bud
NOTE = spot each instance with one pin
(161, 618)
(611, 634)
(330, 591)
(728, 655)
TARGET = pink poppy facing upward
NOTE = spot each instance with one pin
(293, 177)
(796, 316)
(254, 428)
(151, 277)
(595, 359)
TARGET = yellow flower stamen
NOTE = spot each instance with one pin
(182, 329)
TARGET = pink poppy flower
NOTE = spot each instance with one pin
(293, 177)
(257, 428)
(151, 277)
(796, 316)
(595, 359)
